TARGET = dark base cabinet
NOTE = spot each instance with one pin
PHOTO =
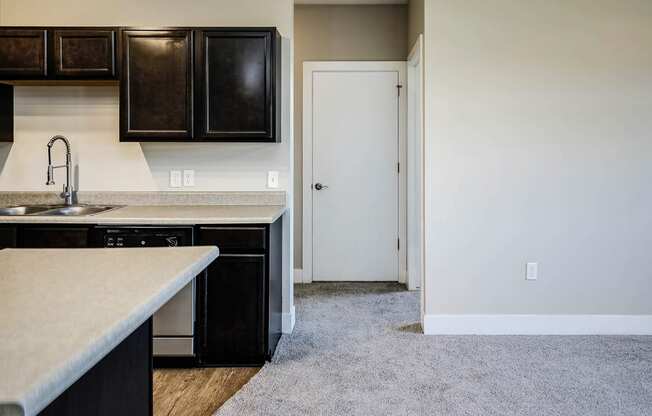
(234, 310)
(238, 317)
(7, 237)
(275, 288)
(120, 384)
(53, 237)
(239, 299)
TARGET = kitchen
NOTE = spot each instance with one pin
(430, 174)
(134, 129)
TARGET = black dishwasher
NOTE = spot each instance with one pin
(146, 236)
(174, 323)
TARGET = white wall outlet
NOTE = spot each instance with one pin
(532, 271)
(175, 179)
(272, 179)
(188, 178)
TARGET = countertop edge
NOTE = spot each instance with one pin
(107, 219)
(41, 395)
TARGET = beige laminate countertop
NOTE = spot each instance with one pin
(63, 310)
(165, 215)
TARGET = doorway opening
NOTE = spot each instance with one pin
(352, 169)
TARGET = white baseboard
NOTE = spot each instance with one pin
(537, 324)
(288, 321)
(298, 276)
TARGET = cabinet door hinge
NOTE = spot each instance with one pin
(398, 88)
(398, 244)
(398, 167)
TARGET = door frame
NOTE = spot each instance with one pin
(309, 68)
(415, 94)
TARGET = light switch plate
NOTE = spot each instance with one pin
(188, 178)
(175, 179)
(532, 271)
(272, 179)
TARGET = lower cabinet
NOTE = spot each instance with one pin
(234, 301)
(53, 237)
(7, 237)
(239, 298)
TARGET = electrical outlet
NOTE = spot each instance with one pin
(532, 271)
(272, 179)
(188, 178)
(175, 179)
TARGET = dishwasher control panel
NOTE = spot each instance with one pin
(144, 237)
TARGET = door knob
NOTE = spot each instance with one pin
(319, 186)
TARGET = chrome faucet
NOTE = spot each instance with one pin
(68, 191)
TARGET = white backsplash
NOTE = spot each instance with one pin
(89, 118)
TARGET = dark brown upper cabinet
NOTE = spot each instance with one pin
(238, 80)
(84, 53)
(156, 86)
(176, 84)
(23, 53)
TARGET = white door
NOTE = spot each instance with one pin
(355, 145)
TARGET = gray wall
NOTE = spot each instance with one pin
(331, 33)
(539, 148)
(415, 21)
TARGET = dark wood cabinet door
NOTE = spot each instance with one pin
(156, 88)
(84, 53)
(234, 311)
(236, 80)
(7, 237)
(23, 53)
(53, 237)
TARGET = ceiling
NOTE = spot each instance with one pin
(350, 1)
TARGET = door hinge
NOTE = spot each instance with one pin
(398, 244)
(398, 167)
(398, 88)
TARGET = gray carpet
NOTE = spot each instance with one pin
(354, 351)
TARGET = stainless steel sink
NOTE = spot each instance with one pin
(25, 210)
(77, 210)
(55, 210)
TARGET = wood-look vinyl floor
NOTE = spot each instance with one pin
(196, 392)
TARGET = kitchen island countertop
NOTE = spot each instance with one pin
(63, 310)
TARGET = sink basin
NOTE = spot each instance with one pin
(76, 210)
(25, 210)
(55, 210)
